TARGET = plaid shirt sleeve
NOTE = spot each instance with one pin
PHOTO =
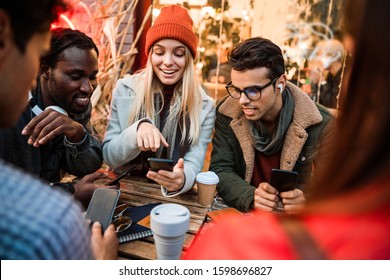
(38, 222)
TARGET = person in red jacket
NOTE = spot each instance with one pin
(347, 215)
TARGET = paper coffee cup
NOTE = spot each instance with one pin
(207, 185)
(169, 223)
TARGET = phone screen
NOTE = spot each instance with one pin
(284, 180)
(102, 206)
(155, 164)
(123, 175)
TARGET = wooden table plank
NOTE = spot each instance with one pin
(138, 249)
(154, 191)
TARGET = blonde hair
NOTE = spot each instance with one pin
(188, 91)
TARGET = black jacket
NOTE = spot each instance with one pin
(53, 160)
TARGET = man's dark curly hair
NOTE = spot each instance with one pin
(62, 39)
(29, 17)
(258, 52)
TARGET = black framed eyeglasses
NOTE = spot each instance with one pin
(252, 93)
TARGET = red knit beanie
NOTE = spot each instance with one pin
(174, 22)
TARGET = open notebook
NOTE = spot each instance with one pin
(140, 228)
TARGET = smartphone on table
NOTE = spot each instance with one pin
(156, 164)
(284, 180)
(121, 176)
(102, 205)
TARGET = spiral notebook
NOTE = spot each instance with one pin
(140, 228)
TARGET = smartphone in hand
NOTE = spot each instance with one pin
(284, 180)
(102, 206)
(155, 164)
(121, 176)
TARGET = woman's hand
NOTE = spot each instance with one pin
(149, 137)
(171, 180)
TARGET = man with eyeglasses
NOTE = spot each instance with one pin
(265, 123)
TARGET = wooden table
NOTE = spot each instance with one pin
(136, 192)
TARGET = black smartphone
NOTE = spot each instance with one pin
(283, 180)
(102, 206)
(121, 176)
(155, 164)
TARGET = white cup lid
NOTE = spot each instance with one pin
(170, 220)
(208, 177)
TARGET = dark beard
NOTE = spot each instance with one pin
(52, 87)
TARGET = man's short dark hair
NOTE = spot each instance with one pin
(29, 17)
(258, 52)
(62, 39)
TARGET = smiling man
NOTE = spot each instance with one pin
(54, 134)
(265, 123)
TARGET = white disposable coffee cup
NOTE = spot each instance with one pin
(207, 185)
(169, 223)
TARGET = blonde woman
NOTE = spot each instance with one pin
(162, 111)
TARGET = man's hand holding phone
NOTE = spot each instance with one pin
(266, 197)
(102, 206)
(292, 200)
(285, 182)
(282, 188)
(104, 245)
(100, 210)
